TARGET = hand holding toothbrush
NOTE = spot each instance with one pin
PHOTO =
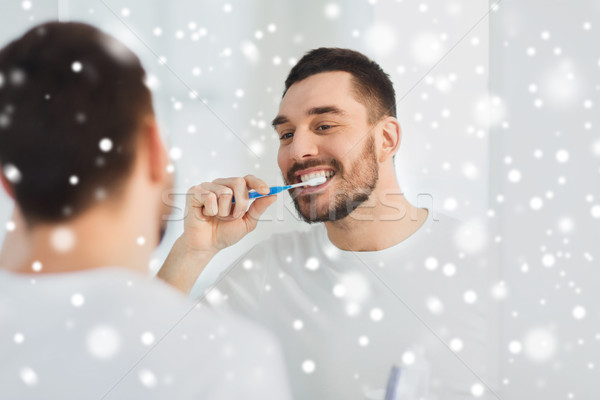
(214, 221)
(223, 204)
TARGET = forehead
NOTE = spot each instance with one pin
(323, 89)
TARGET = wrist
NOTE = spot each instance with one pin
(184, 264)
(188, 251)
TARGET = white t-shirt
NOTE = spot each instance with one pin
(110, 333)
(342, 328)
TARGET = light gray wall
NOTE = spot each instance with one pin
(545, 64)
(449, 60)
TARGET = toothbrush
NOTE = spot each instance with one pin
(278, 189)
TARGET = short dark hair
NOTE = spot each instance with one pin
(372, 85)
(71, 101)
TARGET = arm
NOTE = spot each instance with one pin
(211, 223)
(183, 266)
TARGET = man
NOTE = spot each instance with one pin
(379, 282)
(83, 159)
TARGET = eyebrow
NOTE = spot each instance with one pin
(326, 110)
(282, 119)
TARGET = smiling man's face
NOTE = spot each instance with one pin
(324, 131)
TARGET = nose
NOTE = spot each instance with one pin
(304, 145)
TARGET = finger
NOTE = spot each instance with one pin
(201, 199)
(256, 210)
(240, 191)
(223, 194)
(257, 184)
(209, 206)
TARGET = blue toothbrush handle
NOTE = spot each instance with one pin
(273, 190)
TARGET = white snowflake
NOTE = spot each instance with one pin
(62, 239)
(332, 10)
(431, 263)
(76, 66)
(19, 338)
(515, 347)
(408, 358)
(298, 324)
(456, 345)
(77, 300)
(579, 312)
(12, 173)
(376, 314)
(540, 344)
(103, 341)
(308, 366)
(148, 378)
(147, 338)
(380, 39)
(105, 145)
(29, 376)
(435, 305)
(477, 390)
(470, 296)
(312, 264)
(426, 47)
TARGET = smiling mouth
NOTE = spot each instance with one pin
(326, 173)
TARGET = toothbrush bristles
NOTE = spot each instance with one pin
(316, 181)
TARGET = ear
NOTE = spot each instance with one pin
(157, 154)
(8, 188)
(391, 135)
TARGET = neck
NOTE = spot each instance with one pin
(384, 220)
(100, 238)
(121, 230)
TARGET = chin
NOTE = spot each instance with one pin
(311, 214)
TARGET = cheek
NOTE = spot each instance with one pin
(351, 146)
(283, 159)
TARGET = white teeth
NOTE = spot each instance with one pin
(316, 174)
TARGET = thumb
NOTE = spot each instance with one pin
(256, 210)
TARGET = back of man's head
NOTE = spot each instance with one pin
(71, 100)
(372, 86)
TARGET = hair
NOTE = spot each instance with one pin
(71, 102)
(372, 86)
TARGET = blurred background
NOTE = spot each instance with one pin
(498, 103)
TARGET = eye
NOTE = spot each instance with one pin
(287, 135)
(324, 127)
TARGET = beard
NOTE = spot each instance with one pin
(353, 187)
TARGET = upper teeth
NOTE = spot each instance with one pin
(315, 174)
